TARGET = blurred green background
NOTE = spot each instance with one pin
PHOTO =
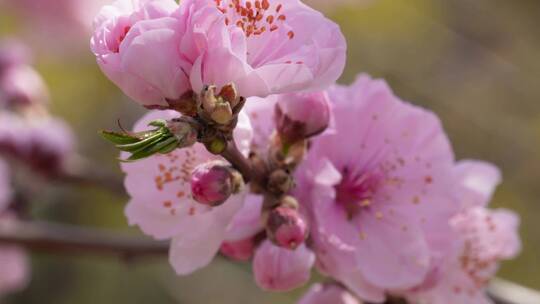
(473, 62)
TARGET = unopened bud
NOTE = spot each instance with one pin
(22, 86)
(280, 182)
(238, 250)
(220, 108)
(216, 146)
(222, 113)
(301, 115)
(286, 228)
(214, 182)
(12, 53)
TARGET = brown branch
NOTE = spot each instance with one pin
(239, 161)
(67, 239)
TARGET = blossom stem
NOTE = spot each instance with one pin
(239, 161)
(58, 238)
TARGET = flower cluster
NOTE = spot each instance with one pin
(258, 155)
(27, 132)
(30, 136)
(13, 260)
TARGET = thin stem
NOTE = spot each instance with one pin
(239, 161)
(57, 238)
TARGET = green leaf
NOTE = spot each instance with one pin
(118, 138)
(171, 146)
(134, 147)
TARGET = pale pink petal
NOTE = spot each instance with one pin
(477, 182)
(280, 269)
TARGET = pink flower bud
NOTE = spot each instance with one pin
(213, 183)
(238, 250)
(13, 53)
(286, 228)
(21, 85)
(301, 115)
(279, 269)
(329, 293)
(136, 44)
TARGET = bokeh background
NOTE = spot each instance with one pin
(475, 63)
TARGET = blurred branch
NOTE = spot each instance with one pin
(505, 292)
(58, 238)
(82, 172)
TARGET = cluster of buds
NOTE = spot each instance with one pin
(220, 108)
(214, 182)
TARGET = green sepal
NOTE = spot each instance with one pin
(118, 138)
(134, 147)
(160, 123)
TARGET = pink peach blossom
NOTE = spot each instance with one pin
(291, 47)
(378, 191)
(483, 239)
(136, 46)
(328, 294)
(156, 56)
(13, 261)
(44, 143)
(281, 269)
(21, 85)
(15, 269)
(13, 53)
(161, 204)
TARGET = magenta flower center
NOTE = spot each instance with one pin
(355, 191)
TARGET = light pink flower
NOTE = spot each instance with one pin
(328, 294)
(5, 186)
(44, 143)
(378, 191)
(483, 239)
(161, 203)
(13, 262)
(154, 57)
(136, 45)
(284, 46)
(15, 272)
(280, 269)
(21, 85)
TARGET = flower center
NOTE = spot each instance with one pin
(355, 191)
(253, 17)
(120, 38)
